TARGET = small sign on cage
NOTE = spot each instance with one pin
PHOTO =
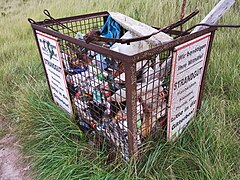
(186, 79)
(54, 70)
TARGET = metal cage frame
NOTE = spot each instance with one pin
(129, 62)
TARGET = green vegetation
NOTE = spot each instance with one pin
(58, 149)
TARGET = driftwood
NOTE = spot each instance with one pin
(215, 14)
(140, 29)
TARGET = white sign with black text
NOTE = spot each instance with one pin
(186, 77)
(55, 73)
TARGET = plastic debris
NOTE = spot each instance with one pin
(133, 48)
(98, 86)
(111, 29)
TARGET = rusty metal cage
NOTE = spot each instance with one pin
(120, 97)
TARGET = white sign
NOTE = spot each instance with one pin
(186, 78)
(215, 14)
(55, 73)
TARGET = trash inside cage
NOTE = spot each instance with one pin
(117, 75)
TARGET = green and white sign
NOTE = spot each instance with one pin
(54, 69)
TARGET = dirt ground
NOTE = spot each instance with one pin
(11, 160)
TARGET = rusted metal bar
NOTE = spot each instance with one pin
(94, 35)
(120, 56)
(47, 13)
(31, 21)
(131, 84)
(90, 46)
(175, 32)
(186, 19)
(182, 12)
(209, 25)
(75, 18)
(170, 45)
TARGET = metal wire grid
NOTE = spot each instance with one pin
(152, 91)
(97, 87)
(82, 26)
(93, 92)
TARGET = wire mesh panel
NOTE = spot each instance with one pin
(94, 92)
(94, 82)
(72, 28)
(152, 92)
(121, 98)
(97, 84)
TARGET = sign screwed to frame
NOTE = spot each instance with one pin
(50, 53)
(186, 78)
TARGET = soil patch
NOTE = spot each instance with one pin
(11, 165)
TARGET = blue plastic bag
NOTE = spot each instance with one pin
(111, 29)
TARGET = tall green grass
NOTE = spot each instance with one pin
(209, 149)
